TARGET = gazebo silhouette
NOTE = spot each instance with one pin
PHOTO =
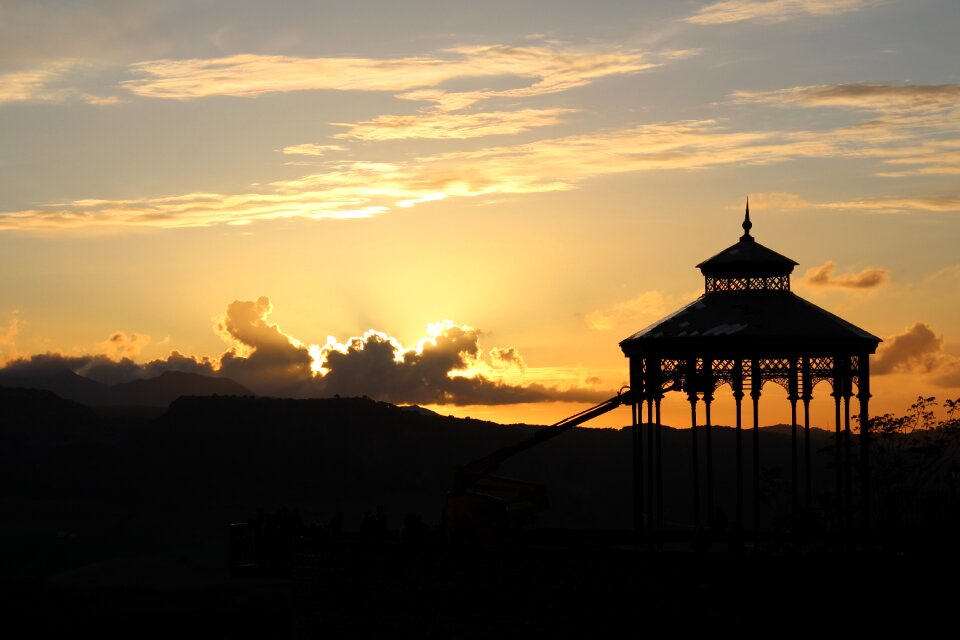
(748, 329)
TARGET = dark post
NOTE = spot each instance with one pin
(659, 474)
(651, 467)
(637, 471)
(807, 397)
(690, 382)
(638, 384)
(847, 446)
(794, 487)
(738, 399)
(692, 397)
(837, 450)
(756, 382)
(707, 400)
(864, 397)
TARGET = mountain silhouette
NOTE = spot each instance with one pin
(170, 385)
(150, 392)
(65, 383)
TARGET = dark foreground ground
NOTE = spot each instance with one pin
(354, 589)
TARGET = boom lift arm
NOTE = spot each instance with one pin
(480, 505)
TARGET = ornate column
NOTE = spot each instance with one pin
(837, 435)
(637, 415)
(793, 395)
(651, 468)
(659, 456)
(738, 399)
(847, 446)
(639, 387)
(708, 427)
(756, 383)
(807, 397)
(691, 377)
(863, 395)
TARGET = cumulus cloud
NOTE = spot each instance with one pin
(8, 338)
(772, 11)
(448, 366)
(918, 350)
(507, 357)
(261, 356)
(823, 276)
(120, 345)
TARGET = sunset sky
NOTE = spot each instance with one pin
(484, 197)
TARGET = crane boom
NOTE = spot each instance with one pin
(470, 473)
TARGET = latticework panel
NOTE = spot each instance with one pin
(769, 283)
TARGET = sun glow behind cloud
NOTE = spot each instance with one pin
(233, 139)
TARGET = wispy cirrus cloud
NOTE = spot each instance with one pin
(364, 189)
(913, 128)
(47, 84)
(771, 11)
(552, 69)
(311, 149)
(783, 201)
(906, 204)
(361, 189)
(888, 98)
(450, 125)
(548, 69)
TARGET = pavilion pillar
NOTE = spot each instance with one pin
(807, 475)
(738, 400)
(708, 427)
(651, 470)
(863, 395)
(692, 398)
(847, 447)
(837, 447)
(659, 456)
(637, 415)
(637, 379)
(793, 395)
(756, 382)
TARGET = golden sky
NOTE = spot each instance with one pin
(467, 205)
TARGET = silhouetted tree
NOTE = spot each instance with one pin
(911, 464)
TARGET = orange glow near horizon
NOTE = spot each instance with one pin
(546, 182)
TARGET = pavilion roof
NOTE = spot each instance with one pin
(745, 319)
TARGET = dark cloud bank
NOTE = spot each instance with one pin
(269, 362)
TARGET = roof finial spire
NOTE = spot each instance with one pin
(747, 225)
